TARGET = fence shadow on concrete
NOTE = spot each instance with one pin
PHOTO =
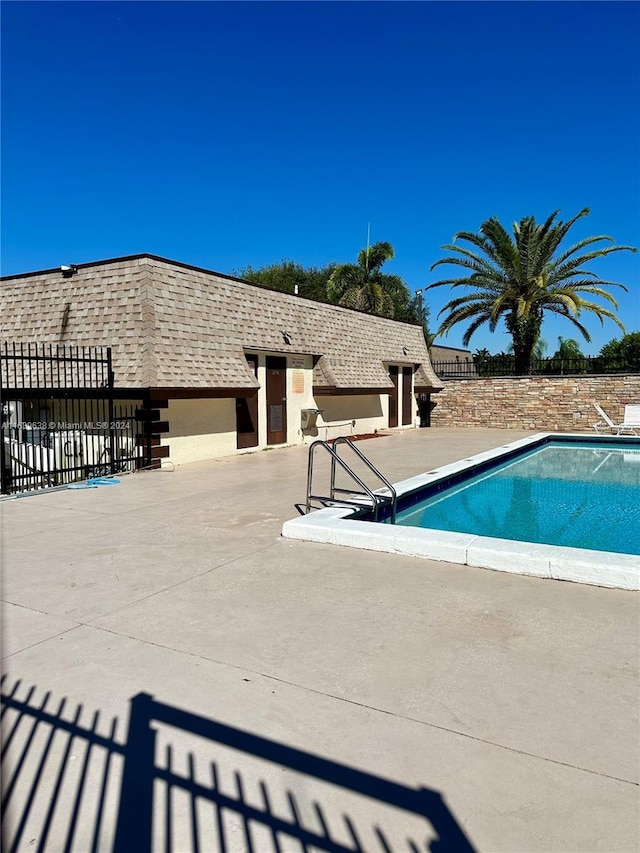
(178, 781)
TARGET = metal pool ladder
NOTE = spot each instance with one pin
(356, 497)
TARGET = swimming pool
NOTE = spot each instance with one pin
(572, 494)
(552, 505)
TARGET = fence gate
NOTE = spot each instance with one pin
(59, 420)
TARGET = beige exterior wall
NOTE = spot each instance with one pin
(200, 429)
(206, 428)
(369, 411)
(299, 395)
(563, 403)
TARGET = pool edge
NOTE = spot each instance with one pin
(335, 526)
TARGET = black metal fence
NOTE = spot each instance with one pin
(504, 365)
(60, 421)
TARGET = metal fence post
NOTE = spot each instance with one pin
(3, 470)
(112, 426)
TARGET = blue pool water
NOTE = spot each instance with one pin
(580, 495)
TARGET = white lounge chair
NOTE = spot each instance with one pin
(632, 415)
(607, 425)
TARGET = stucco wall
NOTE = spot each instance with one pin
(200, 429)
(299, 397)
(370, 413)
(563, 403)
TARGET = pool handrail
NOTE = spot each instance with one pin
(345, 440)
(375, 498)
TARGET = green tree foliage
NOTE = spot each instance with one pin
(627, 347)
(624, 352)
(286, 275)
(365, 287)
(362, 285)
(498, 364)
(518, 278)
(568, 358)
(568, 348)
(538, 351)
(420, 314)
(407, 308)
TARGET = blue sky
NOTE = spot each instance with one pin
(228, 134)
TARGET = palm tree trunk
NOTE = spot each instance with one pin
(523, 362)
(525, 332)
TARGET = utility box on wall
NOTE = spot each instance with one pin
(308, 418)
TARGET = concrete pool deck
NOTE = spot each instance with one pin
(338, 698)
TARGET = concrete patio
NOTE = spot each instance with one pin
(305, 696)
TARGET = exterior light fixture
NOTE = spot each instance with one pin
(68, 270)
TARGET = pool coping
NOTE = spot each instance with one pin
(335, 525)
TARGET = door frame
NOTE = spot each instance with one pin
(407, 396)
(393, 396)
(276, 398)
(250, 405)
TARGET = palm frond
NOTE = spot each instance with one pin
(557, 234)
(589, 287)
(473, 328)
(503, 250)
(344, 277)
(577, 247)
(575, 322)
(376, 255)
(349, 298)
(478, 240)
(476, 262)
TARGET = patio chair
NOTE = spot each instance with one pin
(607, 425)
(632, 415)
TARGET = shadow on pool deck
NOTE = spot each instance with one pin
(162, 787)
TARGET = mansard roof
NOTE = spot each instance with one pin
(171, 325)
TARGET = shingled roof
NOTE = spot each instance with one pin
(175, 326)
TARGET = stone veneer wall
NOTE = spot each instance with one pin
(563, 403)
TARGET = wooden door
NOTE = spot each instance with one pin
(276, 399)
(247, 413)
(407, 396)
(393, 397)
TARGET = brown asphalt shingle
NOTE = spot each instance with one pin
(173, 326)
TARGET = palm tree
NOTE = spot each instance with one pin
(362, 285)
(567, 348)
(520, 278)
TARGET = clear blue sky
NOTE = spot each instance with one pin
(228, 134)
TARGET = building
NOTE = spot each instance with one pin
(220, 365)
(450, 362)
